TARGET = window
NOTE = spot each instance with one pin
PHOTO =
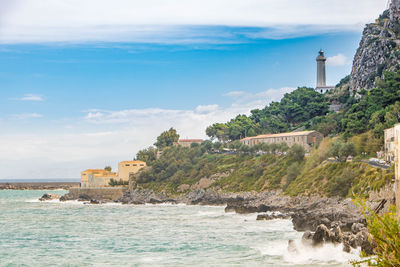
(127, 165)
(141, 164)
(134, 164)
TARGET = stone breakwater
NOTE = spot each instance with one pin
(324, 220)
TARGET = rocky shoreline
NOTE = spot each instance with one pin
(323, 220)
(38, 185)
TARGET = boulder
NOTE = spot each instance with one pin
(48, 197)
(338, 236)
(322, 235)
(95, 201)
(307, 238)
(84, 197)
(357, 227)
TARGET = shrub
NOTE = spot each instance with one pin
(385, 231)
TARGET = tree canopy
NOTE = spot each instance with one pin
(167, 138)
(292, 111)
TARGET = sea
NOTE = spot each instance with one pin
(53, 233)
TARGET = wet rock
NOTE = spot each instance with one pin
(292, 247)
(155, 201)
(346, 247)
(365, 241)
(357, 227)
(322, 235)
(46, 197)
(338, 236)
(94, 201)
(307, 238)
(84, 197)
(272, 216)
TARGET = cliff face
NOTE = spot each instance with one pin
(379, 49)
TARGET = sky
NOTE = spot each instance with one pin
(85, 84)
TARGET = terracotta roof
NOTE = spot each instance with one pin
(96, 170)
(190, 140)
(132, 161)
(279, 135)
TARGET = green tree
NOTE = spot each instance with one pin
(341, 150)
(147, 155)
(107, 168)
(167, 138)
(296, 152)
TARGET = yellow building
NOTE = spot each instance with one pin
(125, 168)
(102, 178)
(96, 177)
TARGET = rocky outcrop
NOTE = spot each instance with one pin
(49, 197)
(324, 235)
(379, 50)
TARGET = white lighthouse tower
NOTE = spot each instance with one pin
(321, 74)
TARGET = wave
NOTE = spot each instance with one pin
(302, 254)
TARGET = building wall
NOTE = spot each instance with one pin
(99, 181)
(125, 168)
(397, 165)
(307, 140)
(96, 177)
(188, 142)
(389, 144)
(106, 193)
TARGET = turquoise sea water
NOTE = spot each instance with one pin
(34, 233)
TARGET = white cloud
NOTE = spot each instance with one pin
(204, 109)
(338, 60)
(260, 98)
(167, 21)
(235, 93)
(24, 116)
(30, 97)
(104, 137)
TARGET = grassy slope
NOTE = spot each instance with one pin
(269, 172)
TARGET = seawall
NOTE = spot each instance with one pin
(100, 193)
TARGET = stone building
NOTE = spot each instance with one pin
(188, 142)
(101, 177)
(389, 145)
(397, 162)
(307, 139)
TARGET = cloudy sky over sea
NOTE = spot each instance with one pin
(86, 84)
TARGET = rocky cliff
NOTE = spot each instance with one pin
(379, 49)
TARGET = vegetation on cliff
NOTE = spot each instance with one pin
(375, 110)
(262, 168)
(384, 230)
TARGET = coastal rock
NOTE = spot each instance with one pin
(322, 235)
(366, 242)
(272, 216)
(183, 187)
(202, 183)
(357, 227)
(84, 198)
(338, 236)
(307, 237)
(48, 197)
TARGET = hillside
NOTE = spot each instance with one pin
(379, 50)
(356, 130)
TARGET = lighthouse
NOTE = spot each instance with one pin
(321, 74)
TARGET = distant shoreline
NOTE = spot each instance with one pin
(36, 185)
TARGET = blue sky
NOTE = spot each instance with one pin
(83, 90)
